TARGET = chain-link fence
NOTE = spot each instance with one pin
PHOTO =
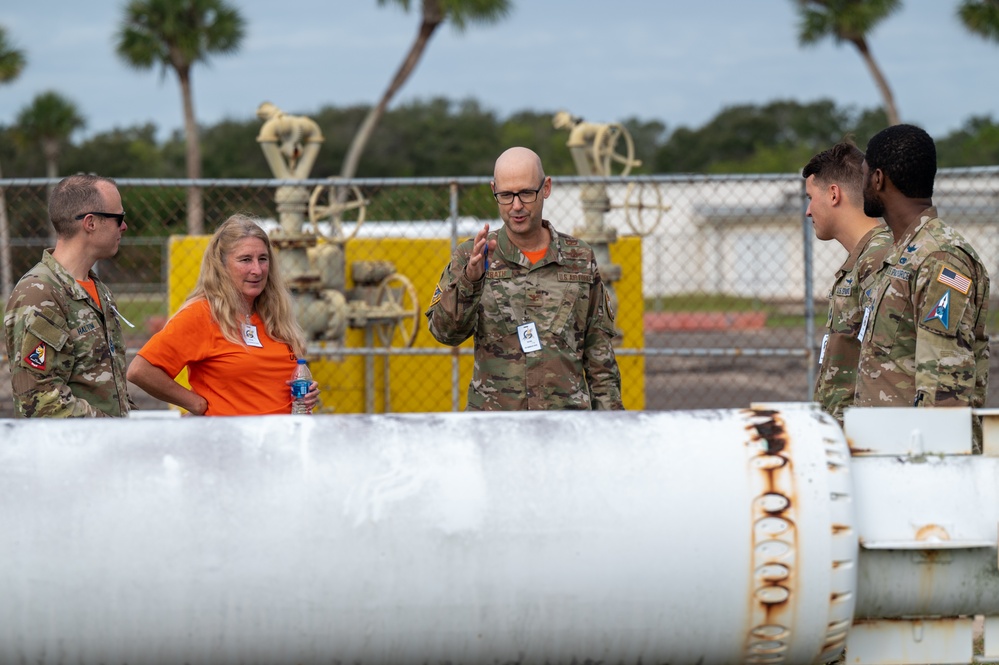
(720, 284)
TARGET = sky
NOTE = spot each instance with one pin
(676, 61)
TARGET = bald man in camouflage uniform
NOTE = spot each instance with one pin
(834, 184)
(533, 299)
(924, 341)
(66, 349)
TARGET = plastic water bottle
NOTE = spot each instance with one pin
(301, 379)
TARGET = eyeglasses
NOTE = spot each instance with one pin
(118, 217)
(525, 195)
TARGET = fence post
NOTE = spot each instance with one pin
(808, 250)
(455, 356)
(6, 269)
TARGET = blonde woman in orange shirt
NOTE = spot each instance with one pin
(236, 334)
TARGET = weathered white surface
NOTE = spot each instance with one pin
(911, 642)
(928, 527)
(466, 538)
(906, 431)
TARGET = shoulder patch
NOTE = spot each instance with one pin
(941, 311)
(36, 358)
(436, 297)
(954, 279)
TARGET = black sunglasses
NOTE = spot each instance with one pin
(118, 217)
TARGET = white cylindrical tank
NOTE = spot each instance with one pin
(683, 537)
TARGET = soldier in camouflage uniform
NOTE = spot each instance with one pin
(923, 342)
(533, 299)
(66, 349)
(834, 185)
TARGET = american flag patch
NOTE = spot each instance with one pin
(954, 279)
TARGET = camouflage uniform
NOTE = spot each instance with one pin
(837, 378)
(563, 295)
(925, 343)
(67, 357)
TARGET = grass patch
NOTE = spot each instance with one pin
(795, 320)
(779, 314)
(138, 308)
(702, 302)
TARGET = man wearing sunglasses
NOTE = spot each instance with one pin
(533, 300)
(64, 337)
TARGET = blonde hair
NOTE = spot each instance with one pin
(225, 301)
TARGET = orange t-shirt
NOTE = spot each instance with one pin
(535, 256)
(91, 288)
(237, 380)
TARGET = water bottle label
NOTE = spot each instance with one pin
(299, 389)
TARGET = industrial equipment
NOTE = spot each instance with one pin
(715, 537)
(382, 301)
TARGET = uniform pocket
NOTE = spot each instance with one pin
(887, 319)
(497, 313)
(561, 316)
(46, 331)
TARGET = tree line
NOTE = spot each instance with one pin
(439, 137)
(442, 137)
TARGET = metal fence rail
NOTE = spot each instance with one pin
(720, 284)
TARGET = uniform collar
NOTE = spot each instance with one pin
(917, 224)
(506, 250)
(66, 279)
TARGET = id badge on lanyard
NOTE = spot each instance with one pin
(528, 334)
(250, 336)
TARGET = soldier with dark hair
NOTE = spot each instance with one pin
(834, 186)
(533, 299)
(923, 342)
(64, 338)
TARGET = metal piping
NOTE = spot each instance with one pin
(468, 538)
(704, 537)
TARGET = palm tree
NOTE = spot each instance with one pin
(49, 121)
(434, 12)
(11, 64)
(176, 34)
(981, 17)
(11, 59)
(849, 21)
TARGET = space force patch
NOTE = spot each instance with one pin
(941, 311)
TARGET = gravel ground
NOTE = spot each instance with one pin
(671, 382)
